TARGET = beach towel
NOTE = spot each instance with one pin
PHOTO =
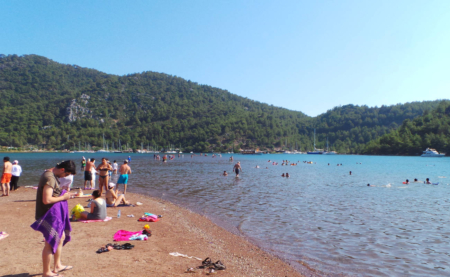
(96, 220)
(54, 223)
(123, 235)
(149, 218)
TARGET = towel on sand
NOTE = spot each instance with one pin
(96, 220)
(123, 235)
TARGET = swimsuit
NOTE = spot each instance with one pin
(87, 176)
(123, 179)
(6, 178)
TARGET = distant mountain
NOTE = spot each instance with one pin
(52, 105)
(432, 129)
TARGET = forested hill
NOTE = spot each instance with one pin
(52, 105)
(414, 136)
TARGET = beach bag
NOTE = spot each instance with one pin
(76, 211)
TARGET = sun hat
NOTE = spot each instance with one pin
(15, 162)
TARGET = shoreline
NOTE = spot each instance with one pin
(179, 230)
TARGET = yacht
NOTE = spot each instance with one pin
(430, 152)
(316, 151)
(328, 152)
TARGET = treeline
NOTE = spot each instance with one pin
(432, 129)
(52, 105)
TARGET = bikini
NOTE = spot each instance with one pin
(103, 169)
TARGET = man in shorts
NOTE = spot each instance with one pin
(87, 172)
(6, 176)
(124, 170)
(237, 168)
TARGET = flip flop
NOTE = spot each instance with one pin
(66, 268)
(219, 265)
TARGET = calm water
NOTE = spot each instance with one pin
(320, 216)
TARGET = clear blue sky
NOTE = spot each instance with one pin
(307, 56)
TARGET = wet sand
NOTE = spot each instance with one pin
(179, 230)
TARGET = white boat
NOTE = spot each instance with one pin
(430, 152)
(316, 151)
(328, 152)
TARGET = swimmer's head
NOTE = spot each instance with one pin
(368, 185)
(415, 180)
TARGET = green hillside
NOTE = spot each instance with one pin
(56, 106)
(414, 136)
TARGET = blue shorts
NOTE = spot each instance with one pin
(123, 179)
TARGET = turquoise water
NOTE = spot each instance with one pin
(321, 215)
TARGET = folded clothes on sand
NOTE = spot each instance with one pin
(123, 235)
(149, 218)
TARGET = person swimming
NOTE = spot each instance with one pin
(225, 173)
(407, 181)
(427, 181)
(415, 180)
(282, 175)
(287, 175)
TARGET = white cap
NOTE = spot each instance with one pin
(15, 162)
(112, 185)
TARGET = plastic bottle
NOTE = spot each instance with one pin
(118, 214)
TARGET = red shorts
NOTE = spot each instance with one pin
(6, 178)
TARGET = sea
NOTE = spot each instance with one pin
(321, 220)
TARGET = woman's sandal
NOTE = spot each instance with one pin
(206, 263)
(219, 265)
(127, 246)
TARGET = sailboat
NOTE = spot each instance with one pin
(103, 148)
(316, 151)
(328, 152)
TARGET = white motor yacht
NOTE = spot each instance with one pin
(430, 152)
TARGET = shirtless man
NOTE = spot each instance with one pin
(124, 170)
(87, 172)
(103, 180)
(6, 177)
(237, 168)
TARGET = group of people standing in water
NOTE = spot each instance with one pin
(105, 171)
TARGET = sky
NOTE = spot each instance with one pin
(307, 56)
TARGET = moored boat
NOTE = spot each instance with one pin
(430, 152)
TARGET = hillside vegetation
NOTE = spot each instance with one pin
(56, 106)
(432, 129)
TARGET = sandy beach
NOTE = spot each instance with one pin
(179, 230)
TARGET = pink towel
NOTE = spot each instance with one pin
(97, 220)
(150, 218)
(123, 235)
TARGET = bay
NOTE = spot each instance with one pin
(321, 216)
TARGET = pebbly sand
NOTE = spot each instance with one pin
(179, 230)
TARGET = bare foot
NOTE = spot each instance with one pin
(62, 268)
